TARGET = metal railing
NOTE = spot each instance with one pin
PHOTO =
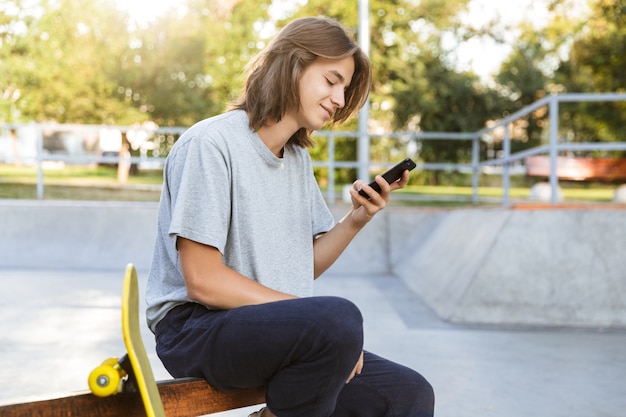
(332, 164)
(554, 146)
(41, 156)
(475, 166)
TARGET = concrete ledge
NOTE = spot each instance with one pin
(80, 235)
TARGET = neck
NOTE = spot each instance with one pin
(276, 135)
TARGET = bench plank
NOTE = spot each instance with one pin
(186, 397)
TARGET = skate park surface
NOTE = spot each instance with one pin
(507, 312)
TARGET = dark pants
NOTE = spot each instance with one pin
(301, 350)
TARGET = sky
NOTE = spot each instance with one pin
(478, 55)
(483, 56)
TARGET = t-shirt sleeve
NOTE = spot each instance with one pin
(201, 207)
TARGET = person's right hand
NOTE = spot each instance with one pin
(357, 369)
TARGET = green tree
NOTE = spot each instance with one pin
(527, 75)
(597, 64)
(184, 68)
(16, 20)
(523, 81)
(63, 59)
(419, 84)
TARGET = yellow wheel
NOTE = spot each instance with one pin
(105, 379)
(110, 362)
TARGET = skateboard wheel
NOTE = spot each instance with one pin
(105, 379)
(110, 361)
(117, 364)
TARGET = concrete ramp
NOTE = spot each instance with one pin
(443, 270)
(540, 267)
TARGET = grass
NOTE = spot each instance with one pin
(79, 183)
(100, 183)
(79, 193)
(97, 174)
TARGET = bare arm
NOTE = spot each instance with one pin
(211, 282)
(331, 245)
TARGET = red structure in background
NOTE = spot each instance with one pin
(578, 169)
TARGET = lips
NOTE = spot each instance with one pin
(329, 111)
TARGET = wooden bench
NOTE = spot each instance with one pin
(181, 398)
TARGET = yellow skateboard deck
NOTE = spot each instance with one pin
(108, 378)
(134, 345)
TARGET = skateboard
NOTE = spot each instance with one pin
(133, 369)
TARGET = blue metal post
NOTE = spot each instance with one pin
(506, 176)
(363, 149)
(331, 168)
(475, 168)
(39, 134)
(554, 152)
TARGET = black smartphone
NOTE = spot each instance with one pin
(393, 175)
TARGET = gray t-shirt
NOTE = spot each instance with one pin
(224, 188)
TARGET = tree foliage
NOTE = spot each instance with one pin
(597, 63)
(187, 67)
(88, 62)
(60, 63)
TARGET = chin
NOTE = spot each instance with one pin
(315, 126)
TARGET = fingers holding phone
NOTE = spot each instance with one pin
(396, 177)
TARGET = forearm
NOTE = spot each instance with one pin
(328, 247)
(212, 283)
(232, 290)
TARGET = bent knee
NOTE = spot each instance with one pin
(340, 320)
(423, 396)
(339, 313)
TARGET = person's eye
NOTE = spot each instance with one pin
(330, 82)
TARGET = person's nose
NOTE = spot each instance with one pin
(338, 97)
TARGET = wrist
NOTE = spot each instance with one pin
(356, 218)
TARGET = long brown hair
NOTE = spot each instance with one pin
(271, 89)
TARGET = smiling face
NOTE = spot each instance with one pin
(322, 90)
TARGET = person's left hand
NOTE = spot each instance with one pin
(357, 369)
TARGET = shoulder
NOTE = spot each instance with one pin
(214, 131)
(225, 124)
